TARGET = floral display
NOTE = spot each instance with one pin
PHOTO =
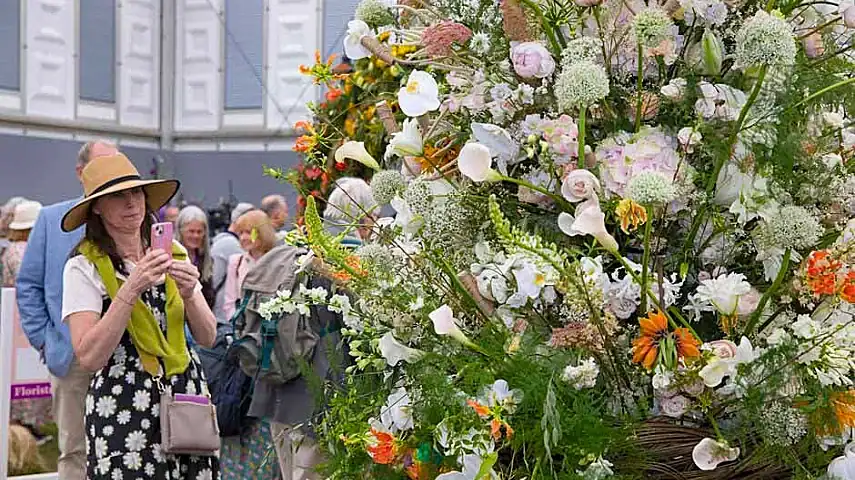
(623, 242)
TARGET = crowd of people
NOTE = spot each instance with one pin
(115, 319)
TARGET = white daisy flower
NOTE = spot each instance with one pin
(106, 406)
(90, 404)
(157, 453)
(101, 448)
(117, 370)
(124, 417)
(142, 400)
(145, 423)
(136, 441)
(130, 378)
(117, 474)
(205, 475)
(103, 467)
(108, 430)
(149, 470)
(132, 460)
(116, 390)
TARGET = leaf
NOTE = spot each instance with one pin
(551, 418)
(253, 235)
(487, 466)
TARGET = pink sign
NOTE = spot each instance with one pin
(30, 377)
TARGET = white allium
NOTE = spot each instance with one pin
(794, 227)
(651, 188)
(765, 40)
(583, 82)
(582, 376)
(651, 26)
(374, 12)
(580, 49)
(375, 254)
(480, 43)
(385, 185)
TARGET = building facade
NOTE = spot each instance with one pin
(206, 91)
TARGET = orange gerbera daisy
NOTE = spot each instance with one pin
(821, 272)
(657, 342)
(383, 449)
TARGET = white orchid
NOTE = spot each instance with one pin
(406, 143)
(471, 469)
(353, 48)
(397, 414)
(394, 351)
(589, 220)
(474, 162)
(356, 151)
(708, 454)
(420, 95)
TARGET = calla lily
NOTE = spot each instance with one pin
(407, 142)
(708, 453)
(356, 29)
(498, 140)
(356, 151)
(474, 162)
(420, 95)
(444, 323)
(589, 220)
(394, 351)
(843, 467)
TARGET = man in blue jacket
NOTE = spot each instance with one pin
(39, 294)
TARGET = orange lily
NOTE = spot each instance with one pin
(383, 451)
(481, 410)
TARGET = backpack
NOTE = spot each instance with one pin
(230, 387)
(272, 350)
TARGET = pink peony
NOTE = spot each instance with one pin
(438, 39)
(532, 60)
(723, 349)
(626, 155)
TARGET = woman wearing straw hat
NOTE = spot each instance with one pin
(126, 305)
(23, 219)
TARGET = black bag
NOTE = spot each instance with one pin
(231, 389)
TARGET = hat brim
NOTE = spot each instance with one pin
(22, 225)
(158, 194)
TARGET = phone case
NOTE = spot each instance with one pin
(161, 236)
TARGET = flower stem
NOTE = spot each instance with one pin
(776, 284)
(583, 112)
(731, 142)
(639, 103)
(645, 258)
(557, 198)
(547, 28)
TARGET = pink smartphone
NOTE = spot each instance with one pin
(161, 236)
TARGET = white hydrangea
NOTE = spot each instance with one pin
(582, 376)
(583, 82)
(765, 40)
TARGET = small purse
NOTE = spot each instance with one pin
(188, 424)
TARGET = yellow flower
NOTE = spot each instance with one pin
(350, 127)
(368, 113)
(631, 214)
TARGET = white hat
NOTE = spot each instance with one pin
(25, 215)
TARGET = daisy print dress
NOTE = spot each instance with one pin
(122, 411)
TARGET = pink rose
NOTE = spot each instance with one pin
(723, 349)
(579, 185)
(532, 60)
(748, 303)
(675, 406)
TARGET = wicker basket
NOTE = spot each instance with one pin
(667, 450)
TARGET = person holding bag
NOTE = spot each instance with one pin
(147, 411)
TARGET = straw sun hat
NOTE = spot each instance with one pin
(109, 174)
(25, 215)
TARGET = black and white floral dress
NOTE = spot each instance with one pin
(123, 418)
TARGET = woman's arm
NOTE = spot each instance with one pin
(202, 323)
(95, 337)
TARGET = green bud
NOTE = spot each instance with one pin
(532, 138)
(713, 53)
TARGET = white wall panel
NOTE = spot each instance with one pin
(49, 58)
(139, 54)
(294, 35)
(198, 63)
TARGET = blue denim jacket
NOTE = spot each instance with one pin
(39, 287)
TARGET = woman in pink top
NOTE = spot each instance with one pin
(23, 220)
(257, 237)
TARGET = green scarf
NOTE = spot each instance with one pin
(143, 328)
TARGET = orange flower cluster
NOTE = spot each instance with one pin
(436, 157)
(498, 427)
(383, 449)
(355, 267)
(308, 141)
(322, 72)
(824, 275)
(656, 341)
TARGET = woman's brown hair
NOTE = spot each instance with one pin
(258, 220)
(18, 235)
(96, 233)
